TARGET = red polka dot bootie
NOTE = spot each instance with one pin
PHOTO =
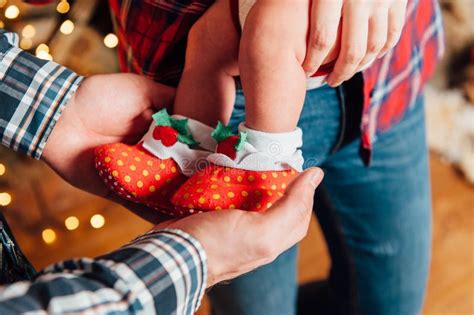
(152, 171)
(248, 171)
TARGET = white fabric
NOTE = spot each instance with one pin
(189, 160)
(265, 152)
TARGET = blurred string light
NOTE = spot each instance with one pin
(2, 25)
(97, 221)
(5, 199)
(42, 48)
(71, 223)
(111, 40)
(26, 43)
(48, 235)
(44, 55)
(63, 7)
(67, 27)
(3, 3)
(29, 31)
(42, 52)
(12, 12)
(3, 169)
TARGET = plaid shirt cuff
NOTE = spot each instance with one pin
(162, 272)
(33, 93)
(172, 269)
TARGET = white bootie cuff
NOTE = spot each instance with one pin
(188, 159)
(264, 151)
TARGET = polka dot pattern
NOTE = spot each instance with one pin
(217, 188)
(136, 175)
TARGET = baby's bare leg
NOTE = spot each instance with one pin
(273, 47)
(206, 91)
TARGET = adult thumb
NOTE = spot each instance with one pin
(292, 213)
(300, 193)
(305, 184)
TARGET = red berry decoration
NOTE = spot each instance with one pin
(170, 130)
(227, 147)
(166, 134)
(228, 143)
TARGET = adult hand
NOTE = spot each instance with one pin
(104, 109)
(369, 29)
(237, 241)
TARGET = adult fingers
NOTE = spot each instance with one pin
(287, 221)
(377, 36)
(355, 27)
(396, 20)
(325, 18)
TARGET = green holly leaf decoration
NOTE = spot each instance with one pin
(180, 125)
(184, 135)
(187, 139)
(221, 132)
(162, 118)
(242, 139)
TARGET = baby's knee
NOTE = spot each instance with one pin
(275, 28)
(213, 39)
(199, 37)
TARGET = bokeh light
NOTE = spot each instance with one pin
(67, 27)
(12, 12)
(5, 199)
(26, 43)
(111, 40)
(44, 55)
(97, 221)
(71, 223)
(29, 31)
(42, 47)
(3, 169)
(42, 52)
(49, 236)
(63, 7)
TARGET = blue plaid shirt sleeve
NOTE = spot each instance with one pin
(33, 93)
(162, 272)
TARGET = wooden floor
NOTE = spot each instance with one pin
(451, 285)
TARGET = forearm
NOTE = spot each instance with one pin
(161, 272)
(33, 93)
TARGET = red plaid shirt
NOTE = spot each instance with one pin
(153, 34)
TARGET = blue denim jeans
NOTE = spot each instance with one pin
(376, 220)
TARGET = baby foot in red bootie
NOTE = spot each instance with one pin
(151, 172)
(219, 187)
(135, 174)
(226, 185)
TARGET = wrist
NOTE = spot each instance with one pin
(56, 137)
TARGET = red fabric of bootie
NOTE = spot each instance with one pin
(219, 187)
(151, 172)
(249, 171)
(135, 174)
